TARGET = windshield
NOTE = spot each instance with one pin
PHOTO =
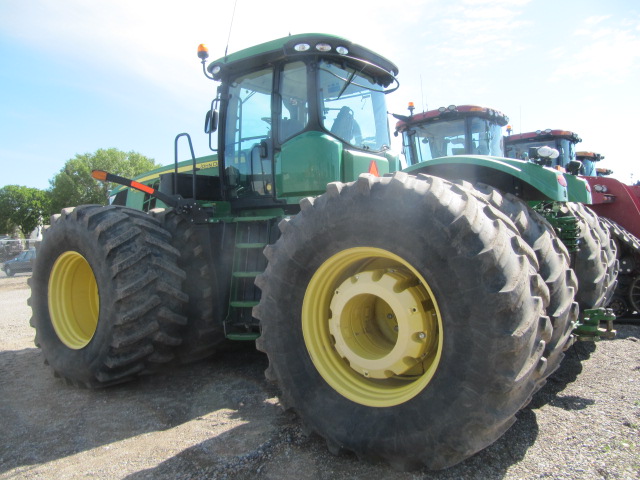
(352, 107)
(565, 148)
(435, 140)
(446, 138)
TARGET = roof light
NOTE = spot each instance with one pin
(442, 109)
(538, 132)
(452, 108)
(323, 47)
(203, 52)
(548, 130)
(302, 47)
(342, 50)
(215, 69)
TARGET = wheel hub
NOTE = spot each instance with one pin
(378, 322)
(372, 327)
(74, 303)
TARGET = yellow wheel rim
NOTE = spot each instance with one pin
(372, 327)
(74, 303)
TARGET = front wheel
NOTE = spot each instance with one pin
(105, 295)
(9, 272)
(402, 322)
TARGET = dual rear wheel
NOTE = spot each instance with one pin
(403, 321)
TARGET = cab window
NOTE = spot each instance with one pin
(353, 108)
(293, 93)
(248, 123)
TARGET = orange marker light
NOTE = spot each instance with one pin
(99, 175)
(373, 168)
(203, 51)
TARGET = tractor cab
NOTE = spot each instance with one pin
(588, 167)
(452, 130)
(295, 114)
(520, 145)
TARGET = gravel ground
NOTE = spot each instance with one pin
(220, 419)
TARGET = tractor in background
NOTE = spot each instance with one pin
(407, 313)
(619, 205)
(588, 167)
(616, 204)
(466, 142)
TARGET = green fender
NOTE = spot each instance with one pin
(579, 189)
(524, 179)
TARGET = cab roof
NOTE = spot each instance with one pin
(451, 112)
(304, 44)
(543, 135)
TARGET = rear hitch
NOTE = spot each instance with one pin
(589, 329)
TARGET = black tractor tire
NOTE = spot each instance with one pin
(9, 272)
(634, 295)
(105, 295)
(346, 283)
(595, 264)
(554, 268)
(620, 306)
(205, 309)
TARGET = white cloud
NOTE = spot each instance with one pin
(603, 53)
(596, 19)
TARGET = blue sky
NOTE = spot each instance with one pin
(79, 75)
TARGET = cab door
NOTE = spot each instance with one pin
(248, 147)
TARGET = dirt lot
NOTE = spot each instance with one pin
(220, 419)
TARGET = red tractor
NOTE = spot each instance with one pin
(619, 205)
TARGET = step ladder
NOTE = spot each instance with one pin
(251, 236)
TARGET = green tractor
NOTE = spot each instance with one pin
(595, 261)
(447, 142)
(407, 316)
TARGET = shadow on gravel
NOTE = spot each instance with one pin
(290, 454)
(43, 419)
(569, 370)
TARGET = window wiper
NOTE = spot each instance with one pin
(346, 84)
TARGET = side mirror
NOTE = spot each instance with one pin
(211, 121)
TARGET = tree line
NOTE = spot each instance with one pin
(24, 208)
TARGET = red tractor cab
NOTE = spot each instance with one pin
(452, 130)
(589, 161)
(564, 141)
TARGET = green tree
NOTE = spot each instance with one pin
(74, 185)
(23, 207)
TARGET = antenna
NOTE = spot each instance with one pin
(424, 107)
(233, 14)
(520, 118)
